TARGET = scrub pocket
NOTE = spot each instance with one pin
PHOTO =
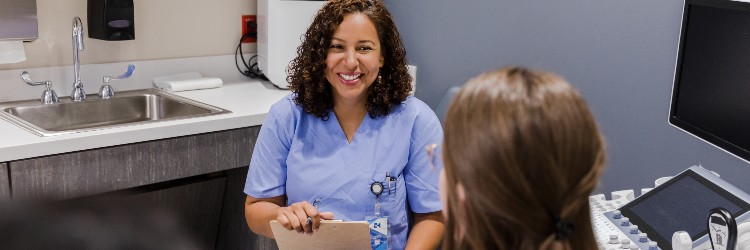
(392, 195)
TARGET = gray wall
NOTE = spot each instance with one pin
(619, 54)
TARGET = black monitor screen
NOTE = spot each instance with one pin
(711, 95)
(681, 204)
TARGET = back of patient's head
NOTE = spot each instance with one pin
(522, 154)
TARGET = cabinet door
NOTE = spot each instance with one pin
(109, 169)
(233, 230)
(194, 202)
(4, 183)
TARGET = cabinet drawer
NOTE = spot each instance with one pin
(108, 169)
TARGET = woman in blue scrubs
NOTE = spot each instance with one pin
(348, 130)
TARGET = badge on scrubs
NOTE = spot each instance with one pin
(378, 223)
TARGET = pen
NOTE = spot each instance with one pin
(315, 204)
(388, 177)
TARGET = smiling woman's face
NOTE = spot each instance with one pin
(354, 58)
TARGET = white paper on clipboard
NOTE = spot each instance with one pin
(331, 235)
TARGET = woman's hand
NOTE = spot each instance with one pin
(295, 217)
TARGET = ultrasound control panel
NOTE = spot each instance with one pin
(680, 204)
(608, 235)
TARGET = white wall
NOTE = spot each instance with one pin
(164, 29)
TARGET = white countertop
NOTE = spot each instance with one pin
(249, 102)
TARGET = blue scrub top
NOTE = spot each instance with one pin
(307, 158)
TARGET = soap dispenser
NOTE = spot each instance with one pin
(111, 20)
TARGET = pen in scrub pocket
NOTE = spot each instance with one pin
(315, 204)
(388, 179)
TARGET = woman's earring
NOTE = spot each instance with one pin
(380, 79)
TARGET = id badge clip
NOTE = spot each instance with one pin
(378, 222)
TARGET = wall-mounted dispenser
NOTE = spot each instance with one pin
(111, 20)
(18, 20)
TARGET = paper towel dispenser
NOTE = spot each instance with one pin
(18, 20)
(281, 24)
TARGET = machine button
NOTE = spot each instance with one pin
(633, 229)
(643, 237)
(613, 239)
(616, 214)
(625, 222)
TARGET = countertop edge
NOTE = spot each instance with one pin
(234, 97)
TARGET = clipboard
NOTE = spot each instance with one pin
(334, 234)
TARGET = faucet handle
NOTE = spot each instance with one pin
(26, 78)
(125, 75)
(106, 91)
(48, 96)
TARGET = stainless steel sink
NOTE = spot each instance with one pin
(127, 108)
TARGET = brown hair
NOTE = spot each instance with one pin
(306, 73)
(527, 153)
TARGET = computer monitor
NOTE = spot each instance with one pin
(711, 91)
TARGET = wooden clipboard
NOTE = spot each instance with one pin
(330, 235)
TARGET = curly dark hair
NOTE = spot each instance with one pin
(306, 73)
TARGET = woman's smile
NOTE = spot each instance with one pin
(349, 78)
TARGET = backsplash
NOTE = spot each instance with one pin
(12, 88)
(166, 29)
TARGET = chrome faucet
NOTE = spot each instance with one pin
(48, 96)
(78, 94)
(106, 91)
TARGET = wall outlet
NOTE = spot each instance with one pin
(249, 25)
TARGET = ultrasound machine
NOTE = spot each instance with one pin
(711, 101)
(651, 220)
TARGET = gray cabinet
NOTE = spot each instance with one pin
(233, 231)
(108, 169)
(195, 204)
(4, 183)
(198, 177)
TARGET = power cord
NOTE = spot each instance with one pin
(251, 68)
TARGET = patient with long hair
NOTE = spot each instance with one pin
(522, 153)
